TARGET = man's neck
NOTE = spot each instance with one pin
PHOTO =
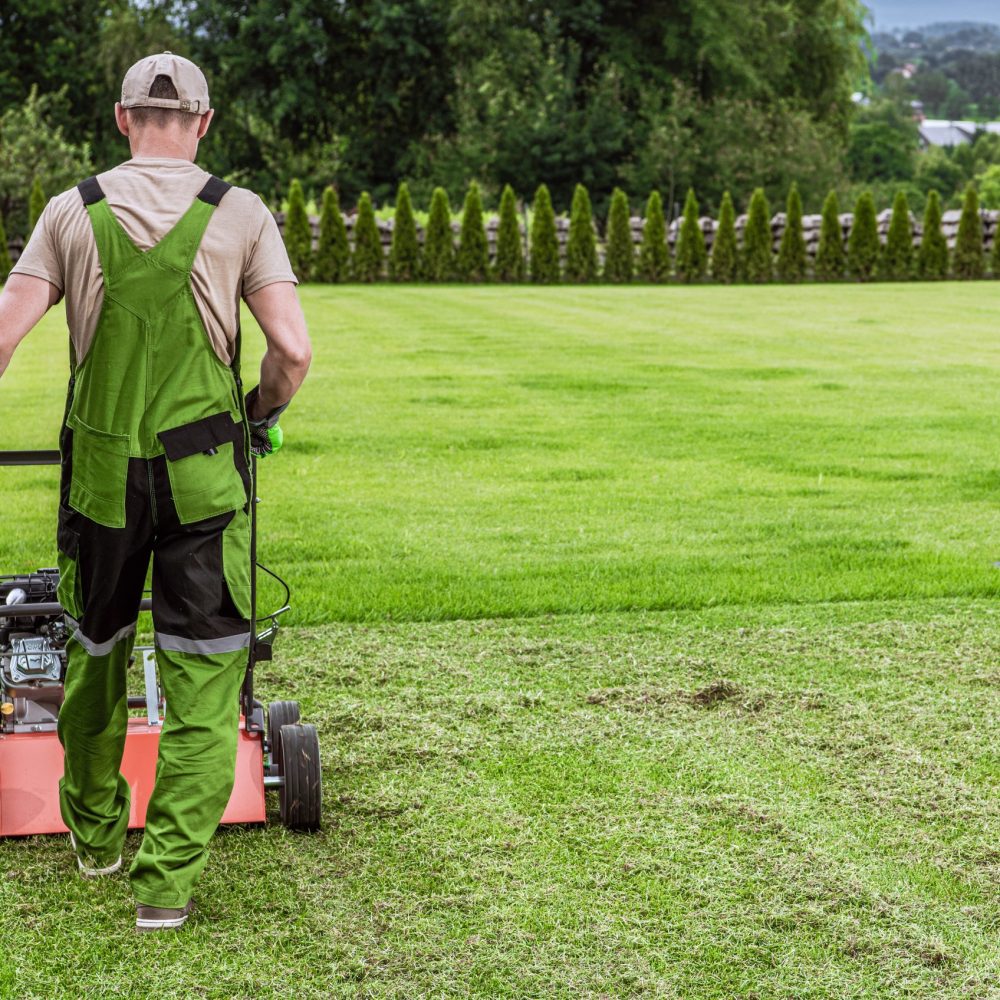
(163, 147)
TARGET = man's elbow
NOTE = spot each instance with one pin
(297, 357)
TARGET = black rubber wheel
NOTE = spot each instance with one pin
(279, 713)
(302, 792)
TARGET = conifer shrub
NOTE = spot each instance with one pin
(792, 255)
(831, 259)
(36, 204)
(994, 253)
(863, 243)
(691, 259)
(544, 261)
(897, 258)
(619, 253)
(439, 244)
(969, 253)
(298, 233)
(473, 260)
(654, 254)
(5, 262)
(367, 260)
(333, 254)
(404, 251)
(509, 264)
(932, 258)
(758, 243)
(725, 253)
(581, 246)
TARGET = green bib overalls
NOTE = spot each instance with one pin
(155, 466)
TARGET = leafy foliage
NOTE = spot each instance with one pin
(33, 147)
(5, 262)
(970, 260)
(581, 244)
(725, 254)
(473, 260)
(509, 263)
(831, 258)
(367, 259)
(691, 259)
(792, 255)
(758, 243)
(619, 254)
(333, 254)
(544, 240)
(863, 243)
(932, 258)
(897, 259)
(36, 204)
(404, 252)
(298, 233)
(654, 254)
(439, 243)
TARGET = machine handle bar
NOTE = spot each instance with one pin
(29, 458)
(48, 608)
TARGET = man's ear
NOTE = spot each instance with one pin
(121, 118)
(206, 120)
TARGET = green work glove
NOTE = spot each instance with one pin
(266, 436)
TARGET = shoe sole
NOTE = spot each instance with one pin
(88, 872)
(160, 925)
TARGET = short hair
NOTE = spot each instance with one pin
(163, 88)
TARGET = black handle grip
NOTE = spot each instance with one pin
(29, 458)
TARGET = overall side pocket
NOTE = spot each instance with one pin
(236, 561)
(100, 471)
(201, 466)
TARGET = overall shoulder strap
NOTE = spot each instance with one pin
(114, 248)
(213, 190)
(90, 191)
(178, 248)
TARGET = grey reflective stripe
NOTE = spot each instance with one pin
(179, 644)
(103, 648)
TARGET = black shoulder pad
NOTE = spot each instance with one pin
(90, 191)
(213, 190)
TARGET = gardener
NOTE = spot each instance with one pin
(153, 257)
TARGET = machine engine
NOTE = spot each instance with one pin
(32, 653)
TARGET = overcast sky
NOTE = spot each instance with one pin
(912, 13)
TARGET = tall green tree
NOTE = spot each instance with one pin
(932, 258)
(831, 258)
(654, 254)
(994, 253)
(298, 233)
(758, 242)
(970, 258)
(333, 253)
(36, 204)
(473, 260)
(897, 257)
(725, 253)
(691, 259)
(619, 252)
(439, 243)
(581, 245)
(367, 259)
(544, 258)
(509, 264)
(863, 243)
(404, 251)
(792, 255)
(5, 262)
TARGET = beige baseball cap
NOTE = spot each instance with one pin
(192, 88)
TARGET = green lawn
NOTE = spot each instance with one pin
(652, 638)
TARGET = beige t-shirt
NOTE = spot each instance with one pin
(241, 250)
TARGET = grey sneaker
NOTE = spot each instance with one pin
(160, 918)
(87, 871)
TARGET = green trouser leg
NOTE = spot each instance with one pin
(93, 794)
(194, 773)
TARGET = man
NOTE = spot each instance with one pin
(153, 257)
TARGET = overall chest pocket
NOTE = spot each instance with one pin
(202, 463)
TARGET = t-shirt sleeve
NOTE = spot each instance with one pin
(41, 257)
(267, 261)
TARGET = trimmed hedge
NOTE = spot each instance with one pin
(863, 244)
(298, 233)
(619, 260)
(36, 204)
(581, 246)
(831, 258)
(472, 263)
(439, 245)
(654, 254)
(692, 258)
(333, 254)
(933, 257)
(404, 253)
(970, 261)
(509, 264)
(544, 241)
(367, 259)
(758, 244)
(897, 258)
(792, 255)
(725, 252)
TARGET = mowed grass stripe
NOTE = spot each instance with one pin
(480, 452)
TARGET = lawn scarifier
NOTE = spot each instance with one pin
(282, 755)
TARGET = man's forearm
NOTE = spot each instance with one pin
(24, 300)
(280, 378)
